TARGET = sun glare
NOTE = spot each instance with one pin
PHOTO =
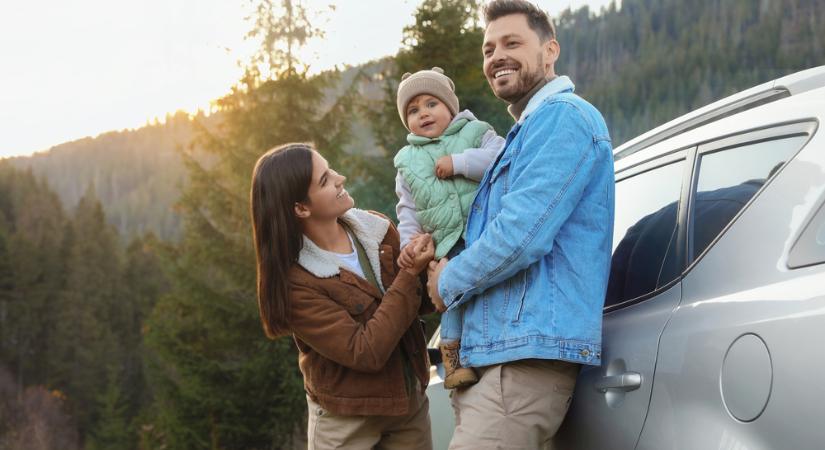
(87, 67)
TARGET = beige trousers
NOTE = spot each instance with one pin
(329, 431)
(517, 405)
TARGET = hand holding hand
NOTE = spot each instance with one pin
(444, 167)
(407, 256)
(423, 251)
(433, 272)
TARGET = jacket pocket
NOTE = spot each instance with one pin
(518, 290)
(357, 303)
(501, 168)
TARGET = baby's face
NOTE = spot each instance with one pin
(428, 116)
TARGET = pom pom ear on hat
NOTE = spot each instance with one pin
(441, 71)
(432, 82)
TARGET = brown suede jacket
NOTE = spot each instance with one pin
(349, 334)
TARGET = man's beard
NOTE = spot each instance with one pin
(524, 83)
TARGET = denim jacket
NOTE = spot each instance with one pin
(539, 235)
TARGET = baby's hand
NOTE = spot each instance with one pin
(444, 167)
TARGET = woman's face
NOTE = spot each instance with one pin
(327, 198)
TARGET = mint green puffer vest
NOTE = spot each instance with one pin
(443, 205)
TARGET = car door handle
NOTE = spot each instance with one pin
(628, 381)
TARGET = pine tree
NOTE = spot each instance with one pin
(31, 229)
(219, 383)
(112, 431)
(144, 282)
(447, 34)
(88, 313)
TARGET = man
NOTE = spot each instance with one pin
(533, 276)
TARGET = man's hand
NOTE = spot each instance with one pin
(433, 272)
(444, 167)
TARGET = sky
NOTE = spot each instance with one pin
(72, 69)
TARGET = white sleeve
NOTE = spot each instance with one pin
(473, 162)
(408, 224)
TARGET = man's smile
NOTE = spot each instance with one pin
(503, 72)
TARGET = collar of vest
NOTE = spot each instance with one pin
(368, 228)
(454, 128)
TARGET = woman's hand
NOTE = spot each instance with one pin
(407, 256)
(422, 251)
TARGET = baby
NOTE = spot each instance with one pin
(438, 173)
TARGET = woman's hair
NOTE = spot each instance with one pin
(280, 179)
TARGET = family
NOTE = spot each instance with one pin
(509, 238)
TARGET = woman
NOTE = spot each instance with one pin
(327, 274)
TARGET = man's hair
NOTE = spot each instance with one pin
(537, 19)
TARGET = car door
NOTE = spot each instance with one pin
(741, 359)
(611, 401)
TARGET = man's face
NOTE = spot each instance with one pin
(515, 59)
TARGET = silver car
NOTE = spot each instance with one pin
(714, 319)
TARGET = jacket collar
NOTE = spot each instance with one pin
(368, 228)
(515, 109)
(555, 86)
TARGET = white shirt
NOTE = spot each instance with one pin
(351, 259)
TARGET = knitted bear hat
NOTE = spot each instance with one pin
(432, 82)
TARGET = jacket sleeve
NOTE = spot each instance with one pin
(406, 211)
(473, 162)
(546, 181)
(329, 329)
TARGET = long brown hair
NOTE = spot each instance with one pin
(280, 179)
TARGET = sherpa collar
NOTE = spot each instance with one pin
(368, 228)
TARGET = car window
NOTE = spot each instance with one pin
(644, 234)
(728, 179)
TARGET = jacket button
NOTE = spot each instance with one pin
(584, 352)
(320, 412)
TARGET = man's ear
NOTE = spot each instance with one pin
(552, 50)
(301, 211)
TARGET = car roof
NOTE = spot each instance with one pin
(754, 97)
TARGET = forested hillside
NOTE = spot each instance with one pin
(641, 65)
(72, 304)
(136, 174)
(654, 60)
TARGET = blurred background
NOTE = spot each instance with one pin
(128, 317)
